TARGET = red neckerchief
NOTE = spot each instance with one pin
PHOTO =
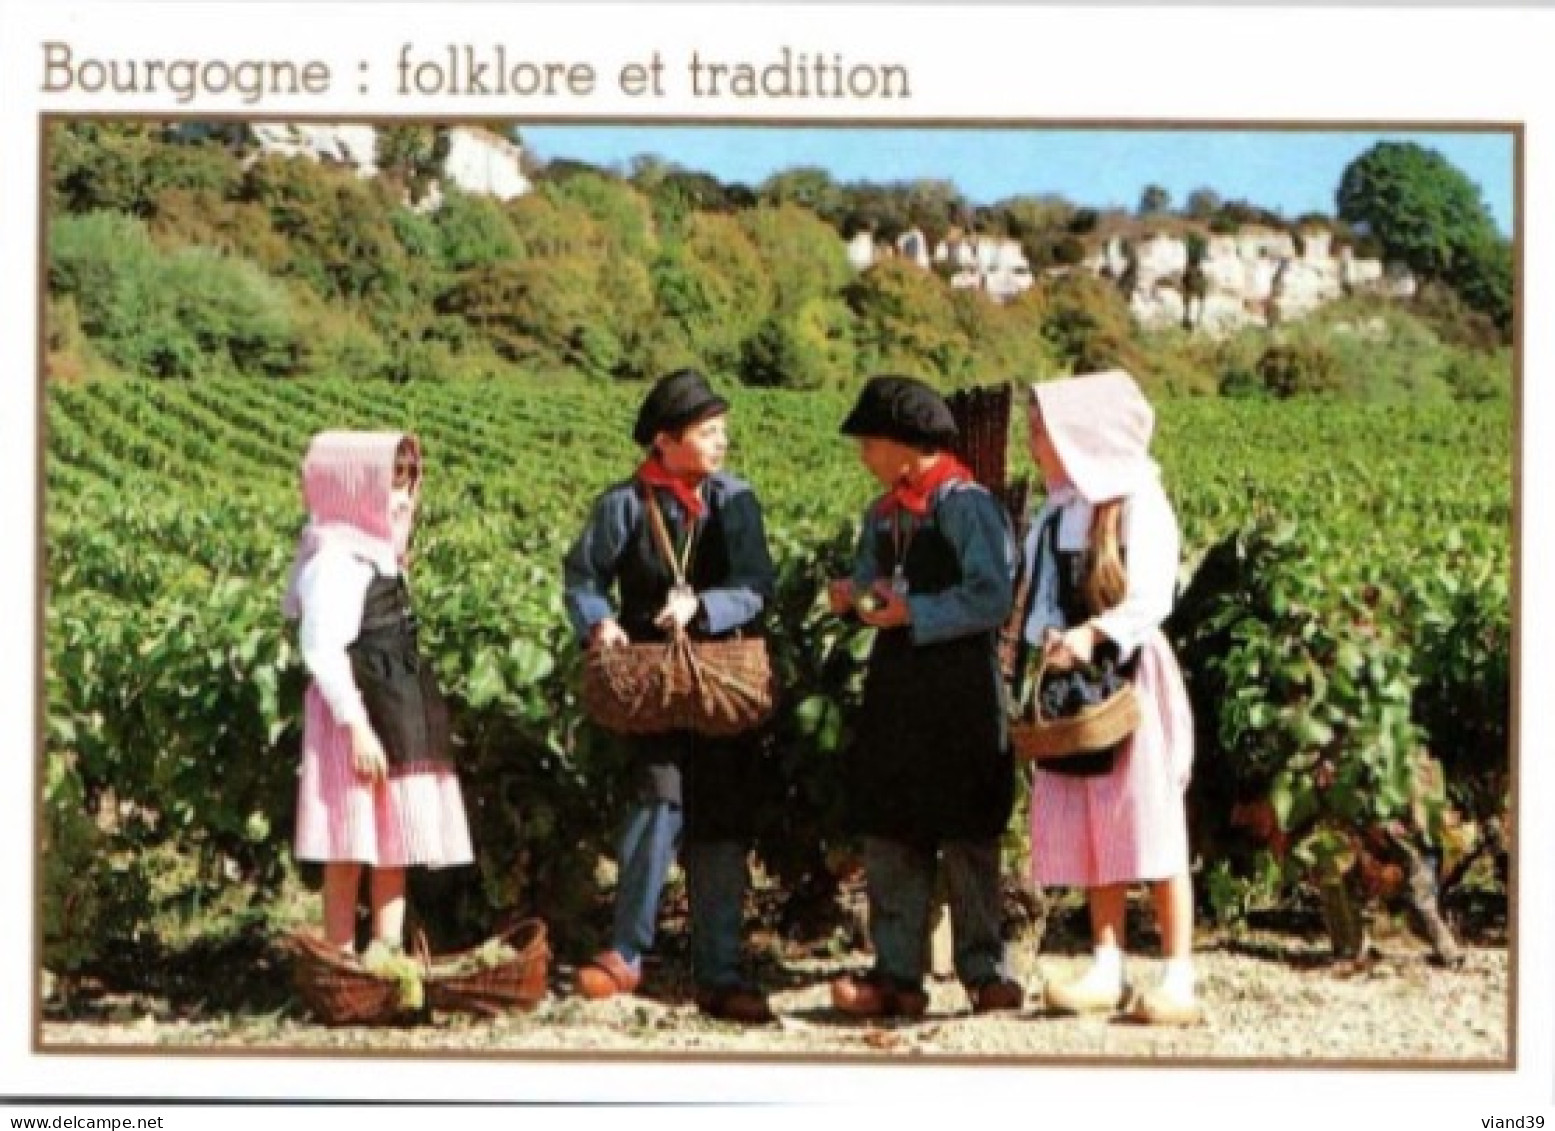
(655, 474)
(914, 496)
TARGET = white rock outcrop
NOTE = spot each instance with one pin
(477, 160)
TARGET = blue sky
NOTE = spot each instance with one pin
(1289, 172)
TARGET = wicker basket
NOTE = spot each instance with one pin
(1089, 731)
(718, 688)
(336, 987)
(518, 983)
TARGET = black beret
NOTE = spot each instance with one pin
(902, 409)
(676, 400)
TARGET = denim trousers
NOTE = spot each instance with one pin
(715, 884)
(899, 879)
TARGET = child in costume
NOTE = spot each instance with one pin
(930, 777)
(1103, 554)
(692, 793)
(377, 789)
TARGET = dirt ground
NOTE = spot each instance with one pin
(1270, 995)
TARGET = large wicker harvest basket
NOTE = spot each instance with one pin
(337, 989)
(718, 688)
(517, 983)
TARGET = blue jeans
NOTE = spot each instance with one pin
(900, 883)
(715, 883)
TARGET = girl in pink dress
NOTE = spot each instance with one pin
(377, 787)
(1103, 555)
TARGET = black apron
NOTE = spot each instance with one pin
(718, 782)
(932, 759)
(399, 690)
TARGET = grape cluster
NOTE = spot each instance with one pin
(1065, 694)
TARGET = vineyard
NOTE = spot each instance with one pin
(1345, 626)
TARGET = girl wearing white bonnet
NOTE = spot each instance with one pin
(377, 789)
(1103, 554)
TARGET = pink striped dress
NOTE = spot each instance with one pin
(1131, 824)
(417, 817)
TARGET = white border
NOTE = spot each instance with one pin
(995, 62)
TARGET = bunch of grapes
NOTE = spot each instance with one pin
(1065, 694)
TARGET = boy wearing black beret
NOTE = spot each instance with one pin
(930, 777)
(693, 793)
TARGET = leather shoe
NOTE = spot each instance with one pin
(739, 1004)
(606, 975)
(997, 996)
(873, 996)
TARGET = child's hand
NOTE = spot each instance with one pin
(678, 611)
(367, 756)
(839, 596)
(1065, 650)
(608, 634)
(891, 610)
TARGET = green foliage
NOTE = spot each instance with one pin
(1476, 376)
(1453, 320)
(472, 231)
(711, 292)
(621, 214)
(804, 257)
(1427, 214)
(194, 313)
(125, 166)
(1154, 200)
(337, 227)
(1203, 203)
(413, 155)
(810, 347)
(1379, 623)
(1305, 695)
(807, 187)
(537, 311)
(906, 323)
(1298, 370)
(1087, 324)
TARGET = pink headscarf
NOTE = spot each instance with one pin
(347, 483)
(1100, 425)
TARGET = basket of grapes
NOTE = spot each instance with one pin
(381, 986)
(508, 971)
(1077, 719)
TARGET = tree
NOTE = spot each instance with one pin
(1482, 274)
(807, 186)
(713, 287)
(1154, 201)
(1427, 214)
(804, 257)
(473, 231)
(412, 154)
(906, 323)
(1203, 203)
(809, 346)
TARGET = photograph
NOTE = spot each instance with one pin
(984, 592)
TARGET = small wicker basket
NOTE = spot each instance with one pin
(1088, 731)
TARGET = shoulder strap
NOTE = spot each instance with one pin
(661, 534)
